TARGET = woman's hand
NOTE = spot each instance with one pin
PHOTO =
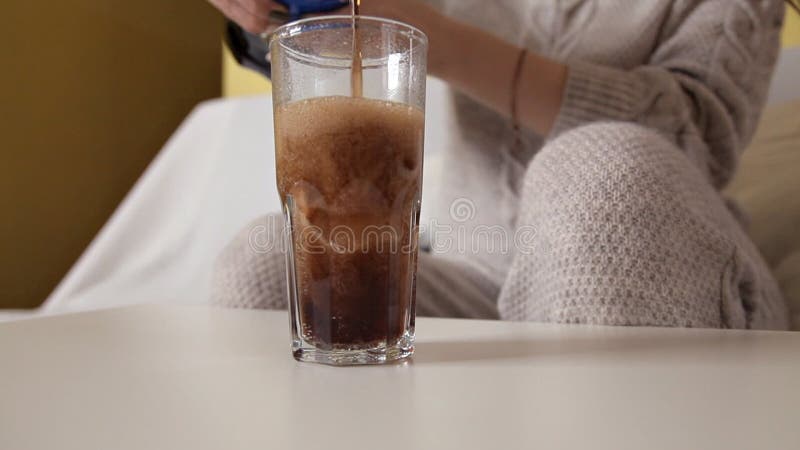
(259, 16)
(474, 62)
(252, 15)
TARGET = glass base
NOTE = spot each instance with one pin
(305, 352)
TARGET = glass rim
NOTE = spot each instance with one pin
(289, 29)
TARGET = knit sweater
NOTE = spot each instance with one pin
(695, 71)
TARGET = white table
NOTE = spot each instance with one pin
(168, 377)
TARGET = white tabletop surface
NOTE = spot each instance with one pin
(169, 377)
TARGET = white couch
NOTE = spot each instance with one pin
(216, 174)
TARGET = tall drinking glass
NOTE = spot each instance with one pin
(349, 126)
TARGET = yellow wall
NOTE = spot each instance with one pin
(91, 89)
(791, 31)
(240, 81)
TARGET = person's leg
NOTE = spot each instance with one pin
(251, 273)
(629, 232)
(447, 288)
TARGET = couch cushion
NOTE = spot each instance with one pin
(767, 186)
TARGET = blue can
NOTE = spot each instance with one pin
(251, 51)
(299, 8)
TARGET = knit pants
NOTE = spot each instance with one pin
(627, 232)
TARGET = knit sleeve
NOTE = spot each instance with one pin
(703, 87)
